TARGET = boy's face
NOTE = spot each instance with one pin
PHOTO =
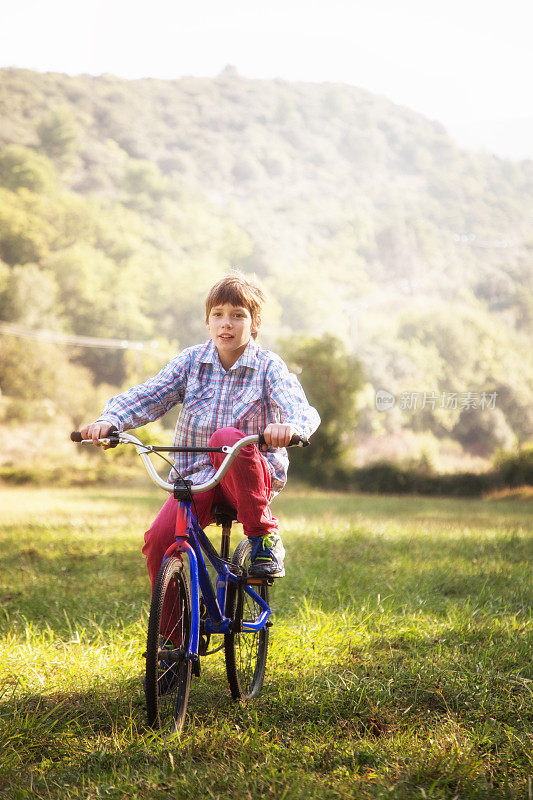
(230, 328)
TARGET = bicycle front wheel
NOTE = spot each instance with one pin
(246, 653)
(168, 672)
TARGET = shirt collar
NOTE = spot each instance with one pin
(248, 358)
(209, 354)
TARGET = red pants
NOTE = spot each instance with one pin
(245, 486)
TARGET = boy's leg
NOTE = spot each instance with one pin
(158, 539)
(160, 535)
(246, 486)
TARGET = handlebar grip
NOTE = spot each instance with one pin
(296, 441)
(299, 441)
(112, 435)
(76, 436)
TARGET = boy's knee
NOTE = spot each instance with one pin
(225, 436)
(163, 525)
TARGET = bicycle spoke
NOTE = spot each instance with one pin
(246, 652)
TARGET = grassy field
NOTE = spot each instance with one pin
(400, 663)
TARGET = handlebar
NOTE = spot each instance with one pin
(144, 451)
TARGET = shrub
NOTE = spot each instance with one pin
(516, 468)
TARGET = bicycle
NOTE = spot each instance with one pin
(187, 610)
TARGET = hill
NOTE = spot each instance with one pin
(361, 217)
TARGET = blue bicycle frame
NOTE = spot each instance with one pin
(191, 539)
(171, 660)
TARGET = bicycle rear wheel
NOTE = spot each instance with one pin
(168, 672)
(246, 653)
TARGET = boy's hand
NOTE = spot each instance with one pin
(95, 431)
(278, 435)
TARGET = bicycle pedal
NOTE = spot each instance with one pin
(196, 668)
(260, 581)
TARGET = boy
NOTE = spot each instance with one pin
(230, 388)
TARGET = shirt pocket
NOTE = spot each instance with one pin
(198, 399)
(247, 403)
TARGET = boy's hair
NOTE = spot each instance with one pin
(236, 289)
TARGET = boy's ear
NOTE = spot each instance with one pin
(256, 323)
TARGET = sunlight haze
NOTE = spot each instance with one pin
(468, 65)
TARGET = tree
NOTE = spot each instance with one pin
(33, 370)
(331, 378)
(21, 167)
(24, 230)
(58, 133)
(481, 432)
(29, 296)
(144, 184)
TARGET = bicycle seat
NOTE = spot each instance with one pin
(224, 514)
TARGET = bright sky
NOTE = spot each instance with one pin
(467, 63)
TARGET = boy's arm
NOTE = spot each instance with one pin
(286, 393)
(149, 400)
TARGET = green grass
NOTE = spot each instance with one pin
(400, 663)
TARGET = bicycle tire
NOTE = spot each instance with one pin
(169, 624)
(246, 653)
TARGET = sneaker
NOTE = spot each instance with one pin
(266, 558)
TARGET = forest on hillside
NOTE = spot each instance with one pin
(122, 201)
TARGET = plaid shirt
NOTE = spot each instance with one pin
(256, 390)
